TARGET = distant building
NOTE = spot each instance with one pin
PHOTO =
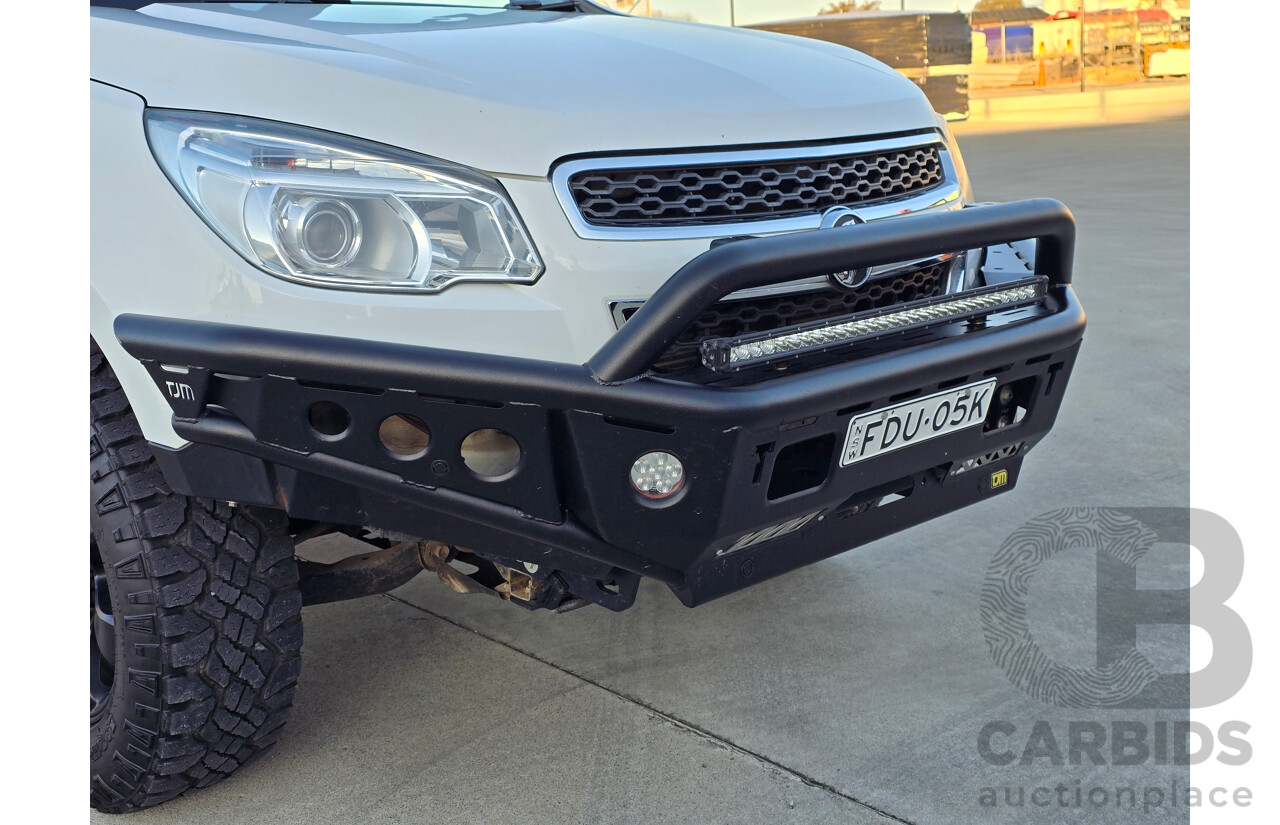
(1007, 33)
(933, 48)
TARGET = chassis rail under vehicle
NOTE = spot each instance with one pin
(567, 510)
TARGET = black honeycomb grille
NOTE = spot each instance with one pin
(730, 318)
(694, 195)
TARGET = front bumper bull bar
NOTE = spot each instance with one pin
(242, 397)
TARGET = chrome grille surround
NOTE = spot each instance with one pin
(927, 163)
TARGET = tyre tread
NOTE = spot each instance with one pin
(227, 674)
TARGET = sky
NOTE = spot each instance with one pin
(759, 11)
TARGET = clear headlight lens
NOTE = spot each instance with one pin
(328, 210)
(953, 148)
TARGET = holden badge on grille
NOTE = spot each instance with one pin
(836, 217)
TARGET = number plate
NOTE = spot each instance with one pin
(920, 419)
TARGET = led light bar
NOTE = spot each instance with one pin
(731, 354)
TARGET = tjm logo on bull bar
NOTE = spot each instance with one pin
(1123, 677)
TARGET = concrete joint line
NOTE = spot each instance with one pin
(687, 727)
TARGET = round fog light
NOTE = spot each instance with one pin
(657, 475)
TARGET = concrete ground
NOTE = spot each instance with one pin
(852, 691)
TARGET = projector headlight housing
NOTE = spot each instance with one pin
(331, 211)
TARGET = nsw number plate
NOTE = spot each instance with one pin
(920, 419)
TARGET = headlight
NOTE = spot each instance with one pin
(953, 149)
(328, 210)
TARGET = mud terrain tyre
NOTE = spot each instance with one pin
(196, 625)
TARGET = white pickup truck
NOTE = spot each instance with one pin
(539, 297)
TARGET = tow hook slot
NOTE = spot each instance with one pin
(880, 496)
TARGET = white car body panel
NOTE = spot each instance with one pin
(508, 92)
(493, 93)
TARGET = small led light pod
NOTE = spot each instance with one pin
(657, 475)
